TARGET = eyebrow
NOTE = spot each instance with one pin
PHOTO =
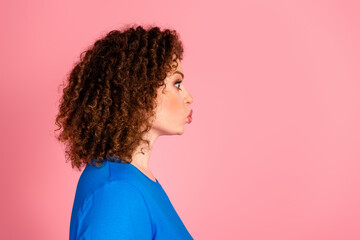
(179, 73)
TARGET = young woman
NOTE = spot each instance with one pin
(119, 98)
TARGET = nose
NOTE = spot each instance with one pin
(189, 99)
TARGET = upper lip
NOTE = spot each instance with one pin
(190, 114)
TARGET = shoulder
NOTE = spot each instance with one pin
(109, 201)
(121, 190)
(106, 194)
(108, 184)
(116, 208)
(93, 178)
(116, 198)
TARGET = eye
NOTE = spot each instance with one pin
(178, 82)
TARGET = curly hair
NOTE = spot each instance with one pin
(109, 97)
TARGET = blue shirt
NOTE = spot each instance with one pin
(118, 201)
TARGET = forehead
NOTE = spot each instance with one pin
(178, 70)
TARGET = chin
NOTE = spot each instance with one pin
(181, 133)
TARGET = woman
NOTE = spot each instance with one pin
(120, 97)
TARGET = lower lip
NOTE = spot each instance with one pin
(190, 119)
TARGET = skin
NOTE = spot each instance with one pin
(171, 116)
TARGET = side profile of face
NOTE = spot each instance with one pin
(173, 106)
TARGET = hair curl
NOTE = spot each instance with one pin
(109, 98)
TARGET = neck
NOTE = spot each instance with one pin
(141, 155)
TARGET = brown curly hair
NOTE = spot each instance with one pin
(109, 97)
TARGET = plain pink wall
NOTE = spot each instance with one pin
(273, 149)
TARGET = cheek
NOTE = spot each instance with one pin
(172, 105)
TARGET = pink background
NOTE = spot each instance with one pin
(272, 152)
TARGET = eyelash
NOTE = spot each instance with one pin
(179, 86)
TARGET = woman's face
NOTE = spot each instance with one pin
(173, 106)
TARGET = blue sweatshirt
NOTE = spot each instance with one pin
(118, 201)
